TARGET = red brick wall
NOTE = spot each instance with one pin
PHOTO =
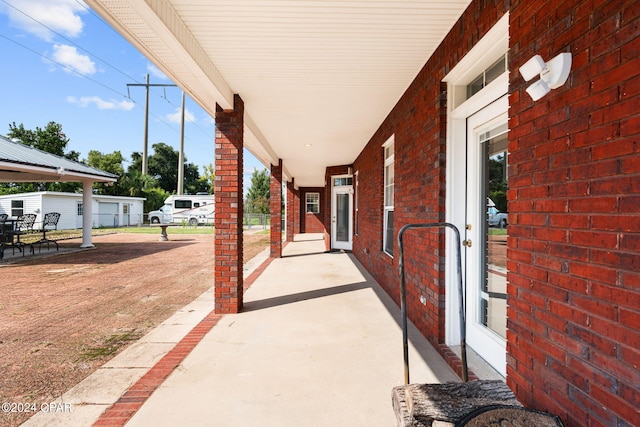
(309, 222)
(574, 201)
(418, 123)
(293, 211)
(229, 207)
(275, 207)
(574, 259)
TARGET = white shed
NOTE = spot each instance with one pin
(107, 211)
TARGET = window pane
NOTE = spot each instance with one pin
(17, 207)
(388, 185)
(342, 217)
(388, 151)
(493, 289)
(340, 182)
(313, 203)
(182, 204)
(475, 86)
(495, 70)
(388, 234)
(487, 76)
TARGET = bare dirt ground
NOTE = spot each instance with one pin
(63, 316)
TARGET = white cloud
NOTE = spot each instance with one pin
(176, 117)
(69, 57)
(34, 16)
(86, 101)
(155, 72)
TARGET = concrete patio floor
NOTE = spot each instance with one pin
(317, 344)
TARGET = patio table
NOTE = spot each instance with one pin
(10, 236)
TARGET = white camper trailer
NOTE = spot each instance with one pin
(185, 209)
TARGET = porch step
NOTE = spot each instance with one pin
(457, 404)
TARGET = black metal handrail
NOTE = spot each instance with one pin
(403, 297)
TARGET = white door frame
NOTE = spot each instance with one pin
(488, 49)
(335, 191)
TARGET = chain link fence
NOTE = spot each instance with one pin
(256, 221)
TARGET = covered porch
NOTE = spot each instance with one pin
(319, 342)
(302, 86)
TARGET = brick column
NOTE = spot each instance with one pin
(229, 208)
(275, 207)
(293, 210)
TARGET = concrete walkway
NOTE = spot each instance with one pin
(317, 344)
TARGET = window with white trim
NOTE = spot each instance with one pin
(313, 203)
(80, 209)
(17, 208)
(389, 177)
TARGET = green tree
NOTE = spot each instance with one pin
(163, 166)
(258, 196)
(498, 181)
(135, 184)
(208, 178)
(155, 198)
(111, 163)
(50, 139)
(193, 183)
(136, 163)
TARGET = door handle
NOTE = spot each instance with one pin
(467, 243)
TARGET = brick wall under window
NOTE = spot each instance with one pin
(310, 222)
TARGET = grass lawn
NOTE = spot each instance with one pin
(498, 232)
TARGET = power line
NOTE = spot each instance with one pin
(68, 40)
(71, 69)
(91, 54)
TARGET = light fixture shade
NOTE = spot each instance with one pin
(538, 89)
(532, 67)
(556, 73)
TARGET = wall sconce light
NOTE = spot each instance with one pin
(553, 74)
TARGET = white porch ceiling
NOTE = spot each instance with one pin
(317, 77)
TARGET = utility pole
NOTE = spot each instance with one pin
(181, 152)
(145, 154)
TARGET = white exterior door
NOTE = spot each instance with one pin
(342, 212)
(486, 233)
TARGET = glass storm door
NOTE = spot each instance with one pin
(342, 213)
(486, 234)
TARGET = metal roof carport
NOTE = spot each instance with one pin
(21, 163)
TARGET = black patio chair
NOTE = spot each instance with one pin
(3, 235)
(24, 225)
(50, 222)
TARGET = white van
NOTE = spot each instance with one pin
(185, 209)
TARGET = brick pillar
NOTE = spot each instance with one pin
(293, 210)
(229, 208)
(297, 211)
(276, 209)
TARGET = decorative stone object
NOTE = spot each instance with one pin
(508, 416)
(445, 405)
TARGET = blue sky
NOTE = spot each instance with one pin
(63, 63)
